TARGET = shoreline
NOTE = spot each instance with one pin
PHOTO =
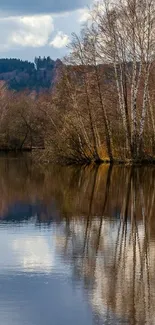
(126, 162)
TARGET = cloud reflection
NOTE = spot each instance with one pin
(33, 254)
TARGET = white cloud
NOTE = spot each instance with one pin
(84, 15)
(32, 31)
(29, 36)
(60, 40)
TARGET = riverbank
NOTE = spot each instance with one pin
(43, 159)
(39, 155)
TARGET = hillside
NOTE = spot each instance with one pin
(21, 75)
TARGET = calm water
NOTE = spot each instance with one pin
(77, 245)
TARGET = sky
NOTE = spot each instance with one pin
(30, 28)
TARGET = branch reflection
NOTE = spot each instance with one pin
(113, 250)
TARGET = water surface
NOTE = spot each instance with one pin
(77, 245)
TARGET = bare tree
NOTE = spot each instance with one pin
(126, 40)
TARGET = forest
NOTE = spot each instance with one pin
(21, 75)
(101, 105)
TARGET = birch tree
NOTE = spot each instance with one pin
(90, 38)
(126, 32)
(79, 58)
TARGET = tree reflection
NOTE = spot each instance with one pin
(114, 251)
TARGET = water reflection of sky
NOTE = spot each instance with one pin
(35, 285)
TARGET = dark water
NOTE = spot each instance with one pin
(77, 245)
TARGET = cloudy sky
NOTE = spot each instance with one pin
(30, 28)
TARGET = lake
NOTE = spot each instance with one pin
(77, 244)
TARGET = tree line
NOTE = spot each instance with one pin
(21, 75)
(8, 65)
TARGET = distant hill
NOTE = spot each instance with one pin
(22, 75)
